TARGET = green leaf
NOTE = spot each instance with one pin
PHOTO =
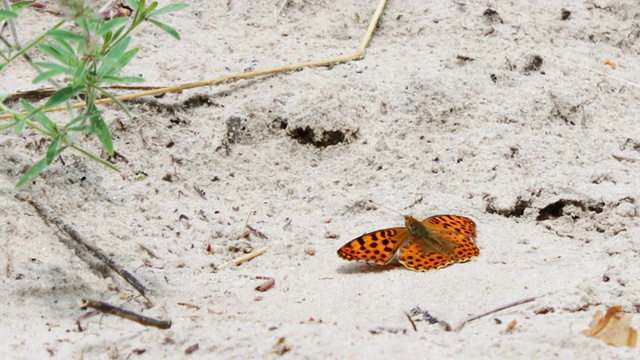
(116, 35)
(19, 126)
(3, 65)
(107, 26)
(118, 49)
(116, 100)
(106, 39)
(89, 25)
(33, 171)
(120, 79)
(82, 128)
(78, 119)
(149, 9)
(171, 31)
(37, 168)
(112, 66)
(111, 63)
(133, 4)
(167, 9)
(28, 106)
(80, 73)
(63, 95)
(7, 125)
(40, 117)
(43, 76)
(6, 14)
(59, 53)
(52, 150)
(102, 131)
(65, 35)
(108, 68)
(54, 69)
(20, 5)
(126, 57)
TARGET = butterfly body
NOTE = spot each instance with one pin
(430, 244)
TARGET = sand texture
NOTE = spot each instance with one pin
(511, 118)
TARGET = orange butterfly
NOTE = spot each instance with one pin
(430, 244)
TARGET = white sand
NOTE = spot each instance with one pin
(434, 134)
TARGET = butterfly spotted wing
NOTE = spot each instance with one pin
(438, 241)
(378, 247)
(459, 230)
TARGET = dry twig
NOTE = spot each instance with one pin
(413, 324)
(243, 258)
(48, 216)
(493, 311)
(110, 309)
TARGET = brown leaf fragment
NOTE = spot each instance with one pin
(511, 326)
(281, 347)
(614, 328)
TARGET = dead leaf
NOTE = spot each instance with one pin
(281, 346)
(511, 326)
(614, 329)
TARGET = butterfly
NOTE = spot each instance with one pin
(429, 244)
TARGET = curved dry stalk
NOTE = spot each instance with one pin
(47, 214)
(359, 54)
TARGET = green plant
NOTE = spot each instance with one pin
(85, 60)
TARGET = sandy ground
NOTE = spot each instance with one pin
(511, 119)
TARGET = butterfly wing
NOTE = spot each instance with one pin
(378, 247)
(419, 256)
(459, 230)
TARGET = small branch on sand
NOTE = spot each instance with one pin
(257, 232)
(243, 258)
(114, 310)
(48, 216)
(493, 311)
(413, 324)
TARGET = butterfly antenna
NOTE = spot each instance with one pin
(385, 207)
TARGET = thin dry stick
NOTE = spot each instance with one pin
(413, 324)
(359, 54)
(47, 214)
(114, 310)
(509, 305)
(244, 258)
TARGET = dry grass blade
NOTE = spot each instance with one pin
(244, 258)
(359, 54)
